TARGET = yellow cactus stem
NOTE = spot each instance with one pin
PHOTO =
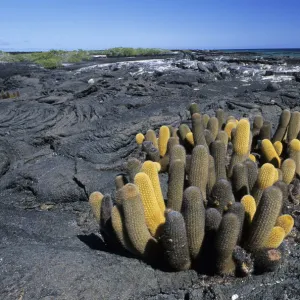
(139, 138)
(250, 207)
(270, 153)
(288, 169)
(158, 166)
(266, 175)
(153, 214)
(190, 138)
(150, 169)
(275, 238)
(95, 200)
(265, 179)
(252, 157)
(164, 135)
(278, 147)
(286, 222)
(231, 124)
(242, 136)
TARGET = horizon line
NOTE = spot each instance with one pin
(170, 49)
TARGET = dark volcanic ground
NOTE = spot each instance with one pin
(64, 138)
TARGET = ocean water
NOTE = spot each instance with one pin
(285, 52)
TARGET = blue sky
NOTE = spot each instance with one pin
(97, 24)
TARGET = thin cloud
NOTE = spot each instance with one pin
(4, 43)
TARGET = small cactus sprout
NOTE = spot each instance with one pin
(95, 200)
(286, 222)
(139, 138)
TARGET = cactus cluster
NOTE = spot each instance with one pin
(7, 95)
(228, 183)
